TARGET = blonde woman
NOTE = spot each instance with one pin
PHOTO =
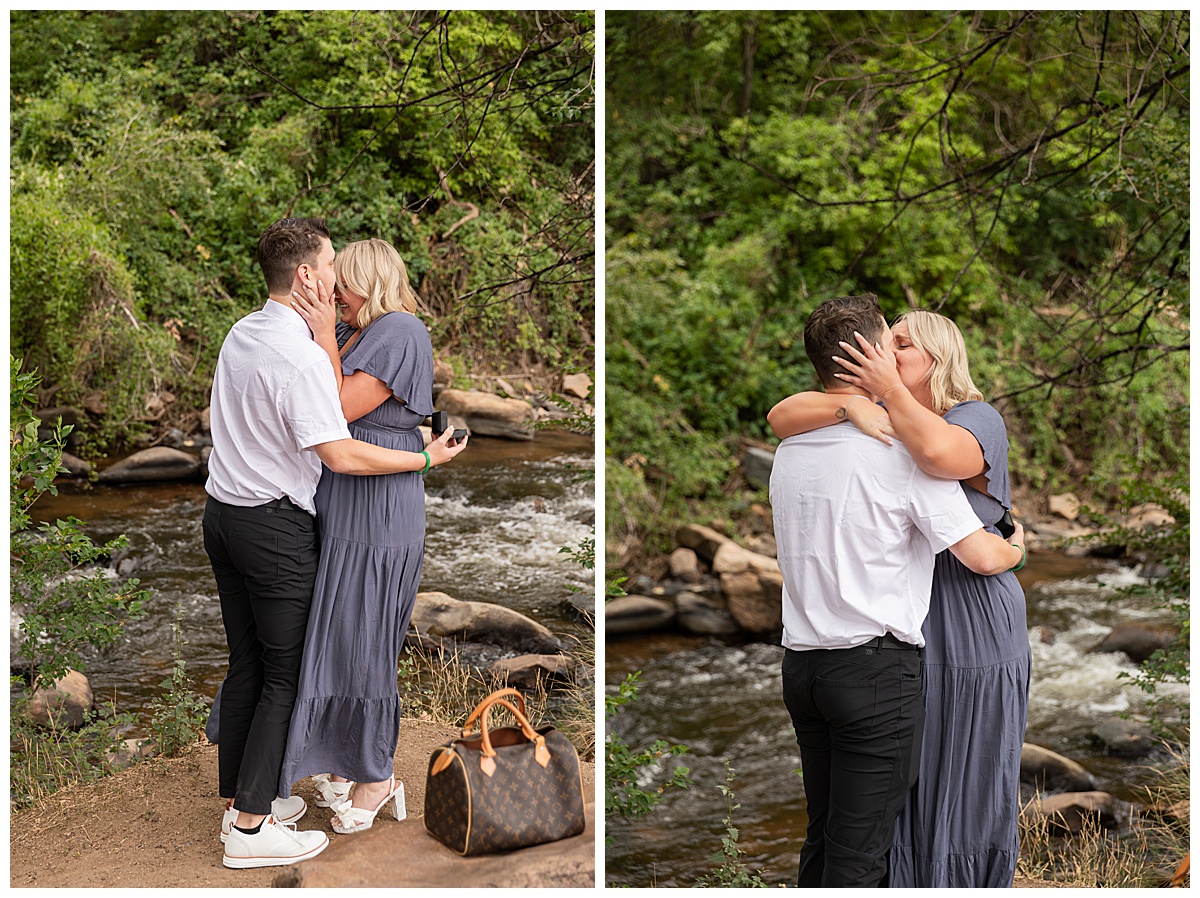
(959, 827)
(347, 716)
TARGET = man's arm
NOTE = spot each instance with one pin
(986, 553)
(357, 457)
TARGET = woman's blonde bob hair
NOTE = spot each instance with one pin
(374, 270)
(949, 377)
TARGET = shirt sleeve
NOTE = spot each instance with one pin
(311, 408)
(396, 349)
(940, 510)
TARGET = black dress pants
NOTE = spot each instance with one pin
(858, 716)
(265, 563)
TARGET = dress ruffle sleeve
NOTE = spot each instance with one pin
(987, 426)
(396, 349)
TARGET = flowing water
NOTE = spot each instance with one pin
(496, 518)
(723, 702)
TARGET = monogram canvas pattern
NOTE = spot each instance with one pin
(521, 804)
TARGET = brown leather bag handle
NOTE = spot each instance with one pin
(487, 761)
(482, 707)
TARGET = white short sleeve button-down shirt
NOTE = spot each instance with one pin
(274, 397)
(857, 525)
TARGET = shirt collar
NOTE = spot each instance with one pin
(287, 316)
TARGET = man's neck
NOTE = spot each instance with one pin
(282, 300)
(847, 390)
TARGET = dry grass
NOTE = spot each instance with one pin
(1144, 855)
(439, 687)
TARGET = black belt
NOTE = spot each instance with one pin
(283, 502)
(888, 641)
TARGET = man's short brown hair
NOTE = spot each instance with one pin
(836, 320)
(285, 246)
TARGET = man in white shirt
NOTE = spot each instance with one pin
(275, 417)
(858, 525)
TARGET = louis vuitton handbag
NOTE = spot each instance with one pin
(504, 788)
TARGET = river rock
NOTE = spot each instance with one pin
(582, 605)
(76, 466)
(1125, 738)
(703, 540)
(1139, 640)
(1065, 505)
(637, 614)
(438, 614)
(1148, 515)
(699, 614)
(685, 565)
(763, 544)
(70, 416)
(158, 403)
(575, 385)
(525, 671)
(1049, 771)
(130, 752)
(1070, 810)
(157, 464)
(756, 467)
(205, 418)
(489, 415)
(67, 701)
(443, 372)
(753, 588)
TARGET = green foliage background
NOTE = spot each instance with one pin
(151, 148)
(1025, 173)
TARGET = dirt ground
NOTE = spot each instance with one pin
(156, 824)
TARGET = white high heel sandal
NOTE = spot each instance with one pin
(330, 793)
(349, 819)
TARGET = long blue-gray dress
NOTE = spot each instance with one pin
(347, 715)
(959, 827)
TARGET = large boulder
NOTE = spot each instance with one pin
(489, 415)
(66, 701)
(1147, 516)
(76, 466)
(1071, 810)
(756, 467)
(1137, 639)
(437, 614)
(703, 540)
(753, 588)
(700, 614)
(637, 614)
(1066, 506)
(526, 671)
(1125, 738)
(1049, 771)
(157, 464)
(575, 385)
(684, 565)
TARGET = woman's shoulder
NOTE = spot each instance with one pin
(395, 324)
(974, 414)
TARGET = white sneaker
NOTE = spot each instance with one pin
(285, 810)
(274, 845)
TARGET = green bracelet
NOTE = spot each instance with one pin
(1022, 564)
(428, 461)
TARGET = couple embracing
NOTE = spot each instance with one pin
(315, 529)
(906, 664)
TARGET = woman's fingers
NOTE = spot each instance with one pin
(853, 351)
